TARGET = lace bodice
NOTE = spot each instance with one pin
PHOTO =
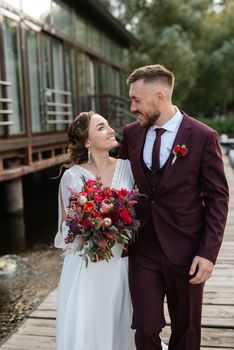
(72, 178)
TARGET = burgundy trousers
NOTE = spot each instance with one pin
(151, 278)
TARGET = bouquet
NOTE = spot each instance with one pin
(99, 217)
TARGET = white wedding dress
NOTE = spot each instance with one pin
(94, 306)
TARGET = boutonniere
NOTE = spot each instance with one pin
(179, 152)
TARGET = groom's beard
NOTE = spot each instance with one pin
(150, 120)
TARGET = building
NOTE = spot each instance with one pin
(57, 58)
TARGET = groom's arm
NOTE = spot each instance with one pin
(215, 191)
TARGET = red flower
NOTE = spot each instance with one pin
(90, 182)
(97, 215)
(89, 207)
(179, 152)
(107, 192)
(124, 214)
(122, 193)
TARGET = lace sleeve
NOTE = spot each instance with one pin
(67, 182)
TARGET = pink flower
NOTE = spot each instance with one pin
(98, 198)
(106, 206)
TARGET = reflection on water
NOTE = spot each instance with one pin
(27, 238)
(37, 272)
(37, 224)
(12, 233)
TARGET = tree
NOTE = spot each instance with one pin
(192, 38)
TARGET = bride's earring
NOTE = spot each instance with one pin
(89, 155)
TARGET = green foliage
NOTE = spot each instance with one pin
(223, 125)
(192, 38)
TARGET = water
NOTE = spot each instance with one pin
(29, 265)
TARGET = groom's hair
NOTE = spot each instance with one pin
(153, 73)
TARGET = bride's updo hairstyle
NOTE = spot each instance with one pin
(77, 137)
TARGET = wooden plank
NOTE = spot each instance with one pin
(39, 327)
(214, 316)
(25, 342)
(212, 337)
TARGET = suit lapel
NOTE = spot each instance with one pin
(181, 138)
(140, 145)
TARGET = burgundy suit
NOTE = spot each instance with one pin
(183, 214)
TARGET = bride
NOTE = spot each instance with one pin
(94, 305)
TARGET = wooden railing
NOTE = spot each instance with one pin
(53, 108)
(4, 101)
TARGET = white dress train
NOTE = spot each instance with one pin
(94, 306)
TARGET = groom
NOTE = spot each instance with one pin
(177, 166)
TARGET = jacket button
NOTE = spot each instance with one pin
(153, 201)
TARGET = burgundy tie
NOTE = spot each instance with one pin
(156, 149)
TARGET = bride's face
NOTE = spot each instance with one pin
(100, 135)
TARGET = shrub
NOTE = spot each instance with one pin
(223, 125)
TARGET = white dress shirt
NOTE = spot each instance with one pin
(167, 139)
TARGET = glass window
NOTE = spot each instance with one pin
(60, 96)
(96, 40)
(86, 86)
(90, 34)
(110, 83)
(46, 62)
(125, 57)
(34, 81)
(70, 79)
(81, 30)
(47, 81)
(123, 85)
(61, 17)
(1, 108)
(118, 55)
(116, 82)
(82, 74)
(108, 48)
(13, 73)
(40, 11)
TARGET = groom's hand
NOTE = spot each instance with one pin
(204, 270)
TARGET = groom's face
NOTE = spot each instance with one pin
(144, 102)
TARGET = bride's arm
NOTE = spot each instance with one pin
(67, 182)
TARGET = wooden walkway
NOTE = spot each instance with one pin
(38, 330)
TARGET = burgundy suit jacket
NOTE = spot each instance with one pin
(189, 207)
